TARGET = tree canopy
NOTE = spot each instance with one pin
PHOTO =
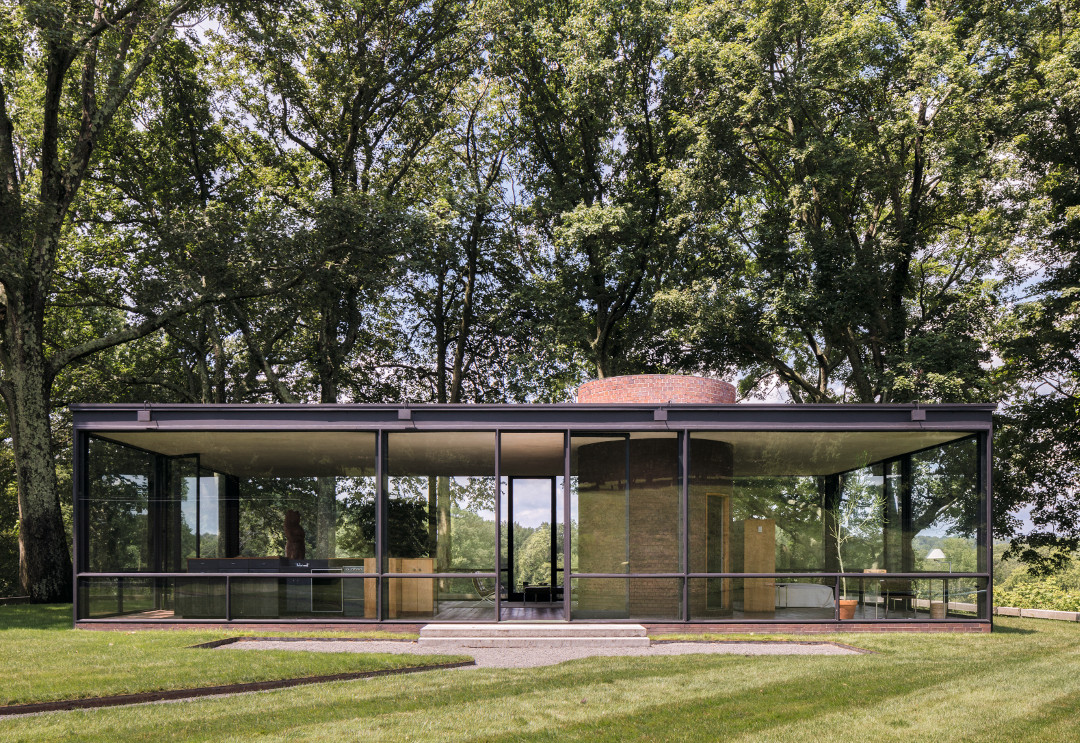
(356, 201)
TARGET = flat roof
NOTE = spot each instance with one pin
(968, 417)
(767, 439)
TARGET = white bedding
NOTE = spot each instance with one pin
(803, 595)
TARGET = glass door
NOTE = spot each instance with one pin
(531, 527)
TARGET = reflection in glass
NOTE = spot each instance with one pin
(448, 599)
(441, 502)
(118, 507)
(640, 598)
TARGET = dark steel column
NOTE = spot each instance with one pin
(567, 521)
(985, 485)
(79, 478)
(684, 505)
(380, 520)
(498, 525)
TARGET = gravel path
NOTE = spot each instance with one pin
(530, 657)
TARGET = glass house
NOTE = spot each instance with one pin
(694, 513)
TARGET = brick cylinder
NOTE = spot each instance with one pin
(657, 389)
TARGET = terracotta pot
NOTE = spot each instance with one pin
(847, 608)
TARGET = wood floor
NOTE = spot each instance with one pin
(484, 611)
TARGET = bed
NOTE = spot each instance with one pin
(803, 595)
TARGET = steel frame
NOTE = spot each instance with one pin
(569, 419)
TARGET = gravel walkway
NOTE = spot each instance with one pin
(530, 657)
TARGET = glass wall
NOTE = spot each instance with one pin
(440, 514)
(532, 531)
(235, 504)
(785, 505)
(625, 507)
(119, 486)
(777, 525)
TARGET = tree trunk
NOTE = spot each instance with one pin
(44, 558)
(326, 489)
(326, 526)
(444, 551)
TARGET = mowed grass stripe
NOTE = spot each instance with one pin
(1003, 704)
(1018, 684)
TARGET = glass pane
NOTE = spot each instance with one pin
(210, 517)
(857, 528)
(469, 598)
(626, 598)
(833, 502)
(441, 502)
(335, 592)
(158, 599)
(302, 518)
(947, 511)
(180, 513)
(118, 508)
(779, 598)
(625, 504)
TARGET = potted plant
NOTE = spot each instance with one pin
(857, 515)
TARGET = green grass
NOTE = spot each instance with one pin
(1021, 683)
(43, 659)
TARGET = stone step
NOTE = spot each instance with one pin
(533, 630)
(520, 641)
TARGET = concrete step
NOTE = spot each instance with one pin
(532, 635)
(533, 629)
(521, 641)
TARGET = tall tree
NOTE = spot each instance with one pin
(1038, 443)
(596, 126)
(844, 169)
(347, 95)
(66, 70)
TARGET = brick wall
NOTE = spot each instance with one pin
(656, 388)
(635, 526)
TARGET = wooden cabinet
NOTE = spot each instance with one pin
(411, 597)
(759, 556)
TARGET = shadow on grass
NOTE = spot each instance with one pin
(35, 616)
(1005, 630)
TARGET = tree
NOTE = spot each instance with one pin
(1037, 447)
(595, 121)
(843, 173)
(345, 96)
(66, 71)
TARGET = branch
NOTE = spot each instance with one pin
(103, 24)
(10, 194)
(80, 157)
(148, 326)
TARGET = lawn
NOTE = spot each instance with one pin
(1020, 683)
(44, 659)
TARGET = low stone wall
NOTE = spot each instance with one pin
(1012, 611)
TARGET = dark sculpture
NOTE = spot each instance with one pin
(295, 548)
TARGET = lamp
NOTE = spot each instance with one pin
(937, 554)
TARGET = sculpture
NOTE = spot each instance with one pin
(295, 548)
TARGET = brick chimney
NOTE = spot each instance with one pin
(657, 389)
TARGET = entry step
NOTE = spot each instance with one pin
(531, 635)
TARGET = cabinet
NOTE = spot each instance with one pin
(411, 597)
(759, 556)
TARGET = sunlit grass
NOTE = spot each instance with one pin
(1020, 683)
(44, 659)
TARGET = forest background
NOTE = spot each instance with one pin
(445, 201)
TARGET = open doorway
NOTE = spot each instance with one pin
(531, 538)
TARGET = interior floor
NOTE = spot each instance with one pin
(484, 611)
